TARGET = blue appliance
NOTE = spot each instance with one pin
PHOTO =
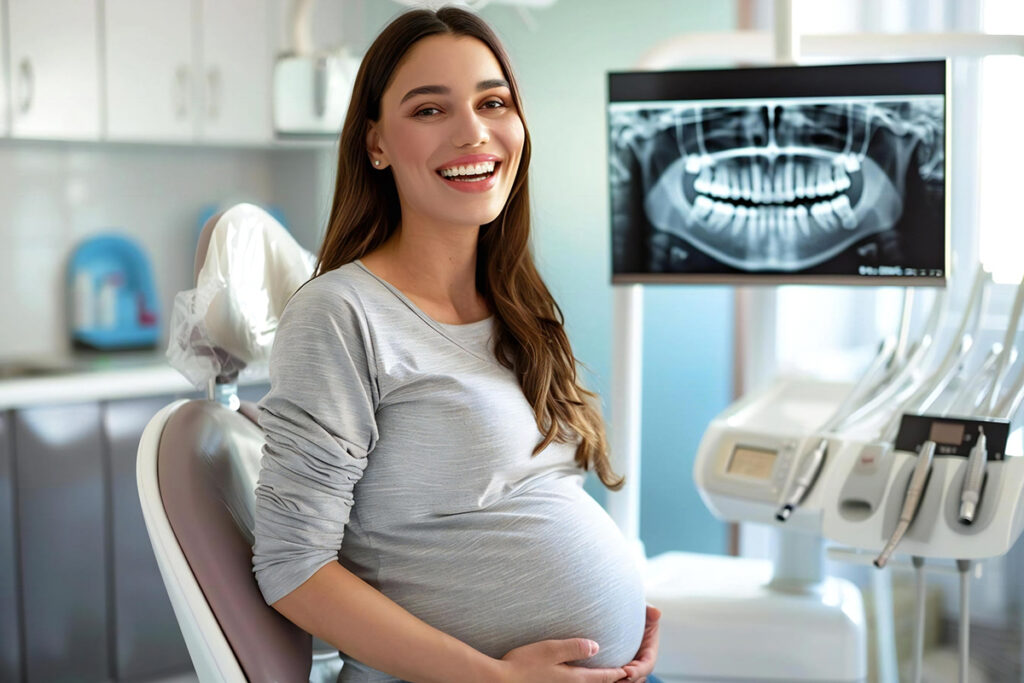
(111, 295)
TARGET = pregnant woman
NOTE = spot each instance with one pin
(420, 504)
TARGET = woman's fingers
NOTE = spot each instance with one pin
(600, 675)
(643, 664)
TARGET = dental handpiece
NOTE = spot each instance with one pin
(911, 502)
(973, 478)
(810, 466)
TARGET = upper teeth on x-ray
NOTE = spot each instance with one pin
(773, 186)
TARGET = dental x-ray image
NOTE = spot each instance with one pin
(783, 174)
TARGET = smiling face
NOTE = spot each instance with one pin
(448, 108)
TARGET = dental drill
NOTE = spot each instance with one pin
(911, 501)
(973, 479)
(810, 468)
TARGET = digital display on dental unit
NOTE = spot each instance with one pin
(814, 174)
(756, 463)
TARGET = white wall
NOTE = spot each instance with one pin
(54, 195)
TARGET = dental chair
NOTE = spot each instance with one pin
(198, 460)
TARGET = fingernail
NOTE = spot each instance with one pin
(593, 647)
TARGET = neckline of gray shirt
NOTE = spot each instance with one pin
(474, 334)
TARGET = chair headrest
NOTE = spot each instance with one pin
(247, 267)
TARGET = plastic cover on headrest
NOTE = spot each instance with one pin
(227, 323)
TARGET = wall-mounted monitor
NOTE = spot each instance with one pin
(801, 174)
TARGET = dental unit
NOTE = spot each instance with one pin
(874, 472)
(944, 488)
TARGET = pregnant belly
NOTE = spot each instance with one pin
(541, 564)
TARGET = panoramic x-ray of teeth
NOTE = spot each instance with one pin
(823, 186)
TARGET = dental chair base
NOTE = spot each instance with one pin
(722, 622)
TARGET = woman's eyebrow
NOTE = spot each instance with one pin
(445, 90)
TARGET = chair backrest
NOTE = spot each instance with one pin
(197, 467)
(202, 446)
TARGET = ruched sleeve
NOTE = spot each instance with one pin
(318, 419)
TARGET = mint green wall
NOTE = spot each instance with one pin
(562, 68)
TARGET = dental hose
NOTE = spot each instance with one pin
(964, 567)
(919, 620)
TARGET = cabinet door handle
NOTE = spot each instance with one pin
(213, 93)
(180, 92)
(28, 85)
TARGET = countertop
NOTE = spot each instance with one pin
(84, 377)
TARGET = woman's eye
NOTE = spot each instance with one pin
(424, 113)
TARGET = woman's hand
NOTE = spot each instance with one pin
(643, 665)
(546, 661)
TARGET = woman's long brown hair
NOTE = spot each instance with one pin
(530, 337)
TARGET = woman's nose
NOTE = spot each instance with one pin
(470, 129)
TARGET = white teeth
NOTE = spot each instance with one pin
(733, 184)
(852, 163)
(787, 228)
(800, 212)
(471, 169)
(788, 216)
(721, 214)
(745, 190)
(720, 182)
(755, 183)
(822, 212)
(755, 216)
(703, 182)
(841, 179)
(788, 193)
(702, 206)
(826, 186)
(842, 208)
(739, 222)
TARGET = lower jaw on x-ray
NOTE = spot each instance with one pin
(854, 187)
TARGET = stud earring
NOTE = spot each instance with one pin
(376, 162)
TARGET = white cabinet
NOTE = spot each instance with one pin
(54, 69)
(151, 77)
(237, 64)
(5, 111)
(195, 70)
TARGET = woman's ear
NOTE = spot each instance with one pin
(373, 148)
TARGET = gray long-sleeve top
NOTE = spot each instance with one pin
(400, 447)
